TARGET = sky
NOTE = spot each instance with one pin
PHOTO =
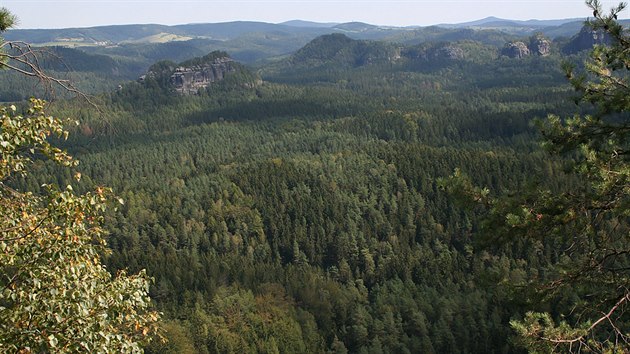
(87, 13)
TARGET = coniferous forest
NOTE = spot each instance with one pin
(301, 204)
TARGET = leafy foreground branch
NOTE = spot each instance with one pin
(584, 290)
(55, 294)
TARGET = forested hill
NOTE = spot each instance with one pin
(103, 58)
(329, 57)
(153, 33)
(342, 51)
(255, 41)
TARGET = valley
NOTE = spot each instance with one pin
(282, 183)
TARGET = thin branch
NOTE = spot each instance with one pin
(606, 317)
(27, 62)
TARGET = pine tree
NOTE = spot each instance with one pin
(587, 281)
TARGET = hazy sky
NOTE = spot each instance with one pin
(85, 13)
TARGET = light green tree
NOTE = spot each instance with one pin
(55, 294)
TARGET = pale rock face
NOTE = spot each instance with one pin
(188, 80)
(516, 50)
(450, 52)
(540, 45)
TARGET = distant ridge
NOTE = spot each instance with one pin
(494, 21)
(355, 27)
(310, 24)
(225, 31)
(251, 41)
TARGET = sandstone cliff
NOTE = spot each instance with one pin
(585, 40)
(190, 79)
(193, 76)
(537, 45)
(515, 50)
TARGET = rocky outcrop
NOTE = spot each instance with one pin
(449, 52)
(585, 40)
(539, 45)
(189, 80)
(191, 76)
(431, 52)
(516, 50)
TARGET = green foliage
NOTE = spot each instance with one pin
(330, 49)
(56, 295)
(240, 322)
(585, 284)
(61, 59)
(7, 19)
(327, 190)
(536, 326)
(303, 214)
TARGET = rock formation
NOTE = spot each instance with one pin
(515, 50)
(431, 52)
(585, 40)
(188, 80)
(449, 52)
(539, 45)
(191, 76)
